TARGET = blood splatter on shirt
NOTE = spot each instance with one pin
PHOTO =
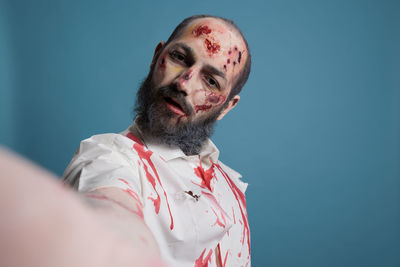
(195, 206)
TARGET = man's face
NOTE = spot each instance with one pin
(202, 64)
(189, 83)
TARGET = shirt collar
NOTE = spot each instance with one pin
(208, 152)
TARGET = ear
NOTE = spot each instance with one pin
(156, 51)
(232, 103)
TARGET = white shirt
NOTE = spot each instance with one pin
(192, 204)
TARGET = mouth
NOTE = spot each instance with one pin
(174, 106)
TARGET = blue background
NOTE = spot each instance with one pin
(316, 133)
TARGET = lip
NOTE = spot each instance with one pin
(174, 106)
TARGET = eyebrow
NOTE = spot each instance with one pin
(215, 71)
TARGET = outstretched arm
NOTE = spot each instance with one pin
(43, 223)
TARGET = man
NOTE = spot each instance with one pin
(163, 170)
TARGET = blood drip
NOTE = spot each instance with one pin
(145, 155)
(134, 138)
(205, 176)
(134, 195)
(226, 257)
(234, 218)
(242, 204)
(219, 256)
(218, 221)
(200, 262)
(215, 202)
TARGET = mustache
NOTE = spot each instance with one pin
(171, 91)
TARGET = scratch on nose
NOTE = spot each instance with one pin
(186, 77)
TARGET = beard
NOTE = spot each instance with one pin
(159, 123)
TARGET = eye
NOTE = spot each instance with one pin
(177, 55)
(212, 82)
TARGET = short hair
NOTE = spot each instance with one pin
(243, 76)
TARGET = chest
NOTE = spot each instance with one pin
(191, 209)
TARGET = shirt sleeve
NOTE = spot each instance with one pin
(104, 160)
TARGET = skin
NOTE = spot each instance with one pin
(45, 224)
(204, 62)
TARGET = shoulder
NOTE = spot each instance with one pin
(233, 175)
(100, 160)
(108, 140)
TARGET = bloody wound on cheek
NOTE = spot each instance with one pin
(202, 107)
(215, 99)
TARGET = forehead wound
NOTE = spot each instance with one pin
(207, 33)
(220, 39)
(213, 29)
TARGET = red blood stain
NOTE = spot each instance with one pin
(134, 138)
(218, 221)
(134, 195)
(220, 209)
(219, 256)
(138, 212)
(241, 202)
(234, 217)
(228, 61)
(240, 56)
(215, 202)
(212, 48)
(206, 176)
(200, 262)
(198, 108)
(145, 155)
(201, 30)
(225, 67)
(226, 257)
(229, 52)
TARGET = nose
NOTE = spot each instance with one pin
(187, 81)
